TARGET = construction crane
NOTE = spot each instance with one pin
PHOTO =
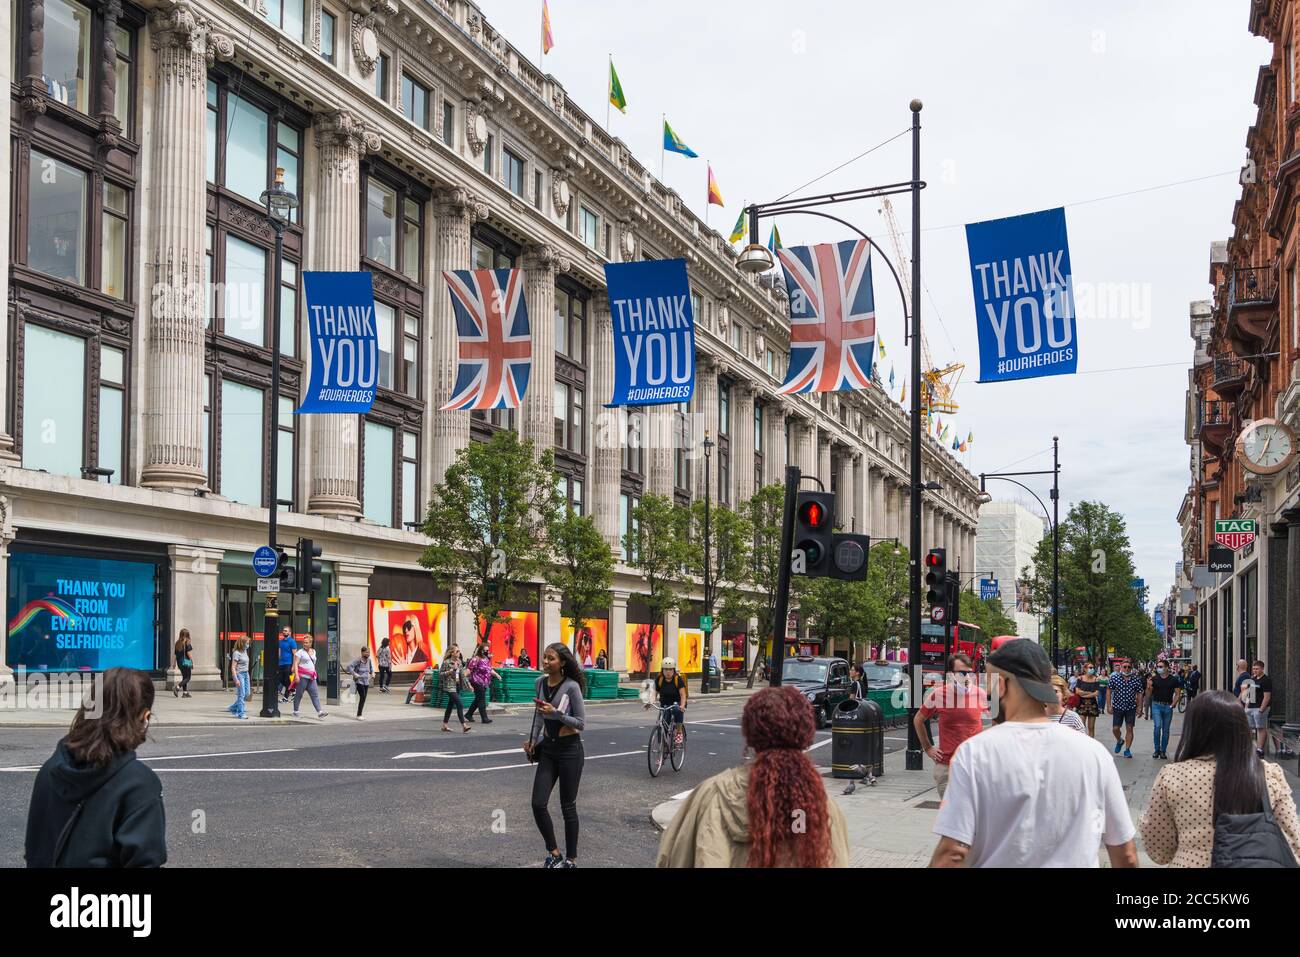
(937, 384)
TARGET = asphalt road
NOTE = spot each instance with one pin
(398, 793)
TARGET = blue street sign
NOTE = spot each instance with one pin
(265, 561)
(989, 588)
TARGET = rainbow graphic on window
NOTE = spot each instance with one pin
(54, 606)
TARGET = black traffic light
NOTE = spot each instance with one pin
(308, 567)
(285, 571)
(814, 523)
(936, 583)
(954, 597)
(849, 556)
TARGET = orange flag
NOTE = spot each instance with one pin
(548, 38)
(715, 195)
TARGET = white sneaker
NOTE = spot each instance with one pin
(297, 715)
(320, 714)
(361, 717)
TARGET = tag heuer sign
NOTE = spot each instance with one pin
(1234, 533)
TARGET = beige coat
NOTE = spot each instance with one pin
(1178, 825)
(712, 827)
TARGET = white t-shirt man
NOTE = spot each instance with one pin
(1034, 794)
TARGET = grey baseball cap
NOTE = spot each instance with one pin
(1028, 663)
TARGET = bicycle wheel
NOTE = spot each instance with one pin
(678, 755)
(655, 752)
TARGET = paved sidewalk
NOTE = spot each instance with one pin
(890, 823)
(209, 708)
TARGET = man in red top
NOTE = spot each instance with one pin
(960, 704)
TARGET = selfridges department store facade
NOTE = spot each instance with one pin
(135, 426)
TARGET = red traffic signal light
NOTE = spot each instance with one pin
(933, 559)
(812, 514)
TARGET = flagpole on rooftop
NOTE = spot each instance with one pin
(663, 151)
(609, 90)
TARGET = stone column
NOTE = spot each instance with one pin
(455, 211)
(7, 454)
(1292, 690)
(195, 596)
(824, 467)
(606, 449)
(618, 631)
(706, 385)
(860, 524)
(774, 458)
(904, 517)
(548, 625)
(879, 522)
(742, 441)
(808, 458)
(6, 536)
(848, 516)
(461, 627)
(173, 414)
(541, 264)
(672, 626)
(659, 437)
(342, 140)
(354, 603)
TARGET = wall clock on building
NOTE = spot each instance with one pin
(1266, 446)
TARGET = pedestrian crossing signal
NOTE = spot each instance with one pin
(813, 532)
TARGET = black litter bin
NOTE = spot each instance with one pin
(857, 740)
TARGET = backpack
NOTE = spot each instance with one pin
(1250, 840)
(678, 681)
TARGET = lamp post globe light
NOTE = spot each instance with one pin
(280, 204)
(708, 575)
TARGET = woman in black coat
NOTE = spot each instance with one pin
(94, 804)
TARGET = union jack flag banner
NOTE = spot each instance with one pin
(495, 343)
(832, 316)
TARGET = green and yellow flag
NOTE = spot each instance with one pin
(616, 97)
(738, 231)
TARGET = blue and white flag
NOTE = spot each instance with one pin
(654, 332)
(344, 347)
(1024, 300)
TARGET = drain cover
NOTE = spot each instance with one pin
(928, 805)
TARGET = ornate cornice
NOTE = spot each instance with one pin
(458, 202)
(546, 257)
(343, 139)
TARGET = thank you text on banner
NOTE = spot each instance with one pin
(1024, 303)
(654, 332)
(344, 346)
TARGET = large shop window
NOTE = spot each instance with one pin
(66, 57)
(384, 225)
(245, 143)
(112, 411)
(69, 613)
(415, 101)
(285, 470)
(377, 481)
(570, 326)
(56, 237)
(53, 425)
(241, 442)
(411, 504)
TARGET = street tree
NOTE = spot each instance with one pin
(1098, 605)
(582, 565)
(487, 523)
(764, 511)
(730, 547)
(987, 614)
(657, 547)
(839, 609)
(888, 580)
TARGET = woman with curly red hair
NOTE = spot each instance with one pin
(770, 812)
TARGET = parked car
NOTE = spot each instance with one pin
(823, 681)
(884, 675)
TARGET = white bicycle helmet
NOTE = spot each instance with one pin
(669, 663)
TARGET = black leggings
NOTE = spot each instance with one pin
(361, 698)
(479, 705)
(562, 759)
(453, 701)
(186, 674)
(385, 676)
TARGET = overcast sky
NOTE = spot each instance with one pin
(1028, 105)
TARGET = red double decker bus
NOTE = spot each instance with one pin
(962, 637)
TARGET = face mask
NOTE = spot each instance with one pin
(1092, 671)
(1160, 671)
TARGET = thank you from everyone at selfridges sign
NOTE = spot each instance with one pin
(69, 613)
(654, 332)
(344, 344)
(1024, 303)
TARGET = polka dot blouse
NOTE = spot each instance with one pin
(1177, 826)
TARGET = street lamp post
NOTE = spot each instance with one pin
(279, 203)
(984, 498)
(708, 575)
(755, 258)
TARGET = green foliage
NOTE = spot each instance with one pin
(987, 613)
(763, 510)
(1098, 606)
(840, 609)
(658, 546)
(730, 546)
(887, 578)
(487, 522)
(582, 567)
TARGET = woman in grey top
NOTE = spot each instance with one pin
(239, 678)
(556, 745)
(361, 669)
(385, 662)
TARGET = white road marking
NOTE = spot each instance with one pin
(218, 754)
(454, 754)
(682, 796)
(819, 744)
(178, 737)
(406, 770)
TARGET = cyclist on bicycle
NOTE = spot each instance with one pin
(670, 687)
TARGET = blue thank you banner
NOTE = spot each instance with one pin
(654, 332)
(989, 588)
(1024, 300)
(344, 346)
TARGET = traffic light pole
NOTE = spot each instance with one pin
(914, 760)
(782, 612)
